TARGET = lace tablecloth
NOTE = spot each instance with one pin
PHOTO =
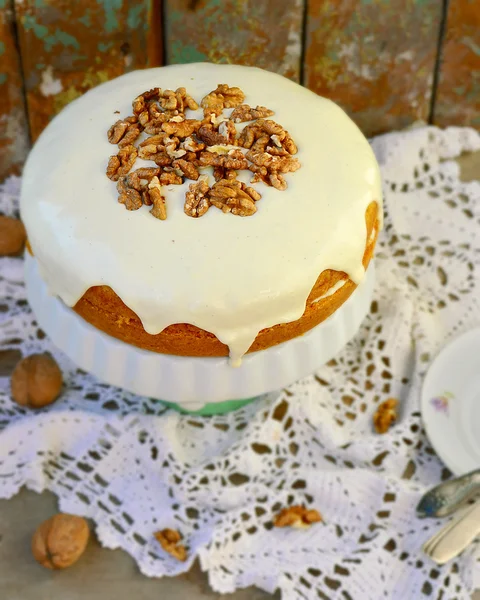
(135, 467)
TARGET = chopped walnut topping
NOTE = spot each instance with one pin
(131, 134)
(268, 168)
(223, 97)
(169, 540)
(283, 164)
(280, 136)
(140, 102)
(297, 516)
(162, 159)
(171, 146)
(183, 129)
(385, 415)
(221, 148)
(138, 179)
(180, 147)
(128, 196)
(155, 125)
(233, 160)
(222, 173)
(159, 210)
(121, 164)
(196, 199)
(245, 113)
(261, 144)
(233, 196)
(112, 167)
(228, 130)
(170, 178)
(187, 168)
(187, 100)
(192, 145)
(273, 150)
(157, 140)
(210, 136)
(232, 96)
(147, 172)
(116, 131)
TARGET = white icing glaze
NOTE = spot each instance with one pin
(229, 275)
(335, 287)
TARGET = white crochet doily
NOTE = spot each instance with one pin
(135, 467)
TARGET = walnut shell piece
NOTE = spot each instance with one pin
(60, 541)
(36, 381)
(385, 415)
(169, 540)
(297, 516)
(12, 236)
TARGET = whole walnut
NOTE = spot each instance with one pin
(36, 381)
(12, 236)
(60, 541)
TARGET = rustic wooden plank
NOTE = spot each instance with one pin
(68, 47)
(13, 121)
(458, 91)
(376, 58)
(264, 33)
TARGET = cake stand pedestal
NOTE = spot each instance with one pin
(194, 384)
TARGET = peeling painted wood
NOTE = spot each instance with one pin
(13, 121)
(376, 58)
(69, 47)
(265, 33)
(458, 91)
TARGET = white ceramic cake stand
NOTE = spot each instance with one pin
(206, 385)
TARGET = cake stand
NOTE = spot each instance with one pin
(194, 384)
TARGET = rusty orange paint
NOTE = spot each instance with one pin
(69, 47)
(458, 92)
(265, 33)
(13, 122)
(376, 58)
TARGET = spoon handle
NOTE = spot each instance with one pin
(455, 537)
(445, 498)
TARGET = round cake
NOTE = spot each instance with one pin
(202, 210)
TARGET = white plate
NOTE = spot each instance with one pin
(189, 381)
(451, 403)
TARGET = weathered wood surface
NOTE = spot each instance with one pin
(458, 91)
(263, 33)
(13, 121)
(376, 58)
(69, 47)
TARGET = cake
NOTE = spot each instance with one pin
(267, 201)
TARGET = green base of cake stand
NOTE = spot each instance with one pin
(215, 408)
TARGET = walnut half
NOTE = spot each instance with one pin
(385, 415)
(169, 540)
(297, 516)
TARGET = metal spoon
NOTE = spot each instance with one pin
(445, 498)
(454, 537)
